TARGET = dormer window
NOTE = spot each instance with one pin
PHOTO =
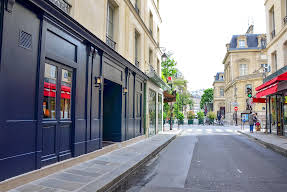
(241, 43)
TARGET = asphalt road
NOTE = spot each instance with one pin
(210, 158)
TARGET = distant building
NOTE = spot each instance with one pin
(245, 64)
(196, 97)
(218, 95)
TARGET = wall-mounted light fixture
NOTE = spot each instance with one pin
(98, 81)
(125, 90)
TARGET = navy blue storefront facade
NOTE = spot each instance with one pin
(63, 91)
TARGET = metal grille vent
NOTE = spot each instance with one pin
(25, 40)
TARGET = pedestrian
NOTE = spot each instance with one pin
(251, 121)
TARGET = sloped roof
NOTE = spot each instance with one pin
(252, 42)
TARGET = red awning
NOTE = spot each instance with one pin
(50, 91)
(259, 100)
(270, 87)
(282, 77)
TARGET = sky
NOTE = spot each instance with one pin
(196, 32)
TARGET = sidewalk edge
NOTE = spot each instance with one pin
(271, 146)
(116, 182)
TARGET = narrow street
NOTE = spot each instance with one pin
(212, 158)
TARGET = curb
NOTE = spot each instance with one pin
(273, 147)
(118, 182)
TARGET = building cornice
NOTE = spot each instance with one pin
(137, 16)
(157, 11)
(252, 77)
(240, 51)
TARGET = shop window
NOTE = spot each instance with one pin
(50, 90)
(152, 112)
(66, 88)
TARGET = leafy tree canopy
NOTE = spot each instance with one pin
(207, 97)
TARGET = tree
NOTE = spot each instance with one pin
(207, 97)
(168, 68)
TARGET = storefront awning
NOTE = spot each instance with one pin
(270, 87)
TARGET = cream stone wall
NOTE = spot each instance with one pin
(277, 43)
(235, 85)
(218, 101)
(92, 15)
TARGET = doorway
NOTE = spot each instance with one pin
(112, 113)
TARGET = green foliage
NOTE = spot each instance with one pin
(207, 97)
(200, 115)
(211, 115)
(180, 116)
(190, 115)
(168, 68)
(164, 115)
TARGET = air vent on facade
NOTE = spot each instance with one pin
(25, 40)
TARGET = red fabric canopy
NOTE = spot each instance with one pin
(271, 89)
(50, 91)
(282, 77)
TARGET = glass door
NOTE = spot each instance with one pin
(57, 114)
(159, 112)
(152, 112)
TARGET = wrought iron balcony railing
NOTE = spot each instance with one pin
(273, 34)
(62, 4)
(285, 20)
(111, 43)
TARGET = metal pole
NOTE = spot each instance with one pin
(236, 118)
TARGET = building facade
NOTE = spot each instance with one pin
(76, 76)
(245, 64)
(196, 97)
(218, 94)
(274, 87)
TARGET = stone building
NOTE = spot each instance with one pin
(218, 94)
(245, 64)
(274, 86)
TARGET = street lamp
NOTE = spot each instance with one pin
(164, 57)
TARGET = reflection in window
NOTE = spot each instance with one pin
(66, 90)
(49, 102)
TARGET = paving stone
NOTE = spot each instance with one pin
(58, 184)
(72, 177)
(30, 188)
(83, 173)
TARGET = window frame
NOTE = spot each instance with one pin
(221, 90)
(110, 7)
(245, 70)
(240, 45)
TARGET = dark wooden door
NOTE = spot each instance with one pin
(57, 121)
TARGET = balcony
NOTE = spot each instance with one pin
(111, 43)
(63, 5)
(273, 34)
(285, 20)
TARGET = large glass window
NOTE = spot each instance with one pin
(221, 92)
(50, 90)
(57, 85)
(152, 112)
(285, 114)
(159, 112)
(66, 90)
(110, 21)
(243, 69)
(273, 113)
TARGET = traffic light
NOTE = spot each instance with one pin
(249, 92)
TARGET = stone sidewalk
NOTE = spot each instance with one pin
(105, 172)
(274, 142)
